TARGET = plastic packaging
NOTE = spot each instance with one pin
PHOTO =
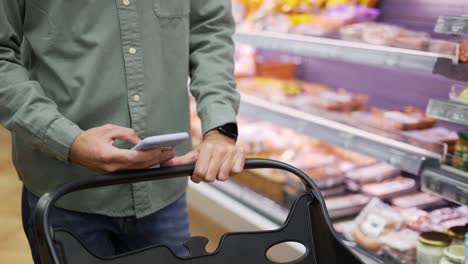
(457, 233)
(419, 200)
(347, 205)
(431, 246)
(377, 219)
(432, 139)
(460, 159)
(390, 188)
(374, 173)
(401, 245)
(453, 255)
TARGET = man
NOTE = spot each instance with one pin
(81, 81)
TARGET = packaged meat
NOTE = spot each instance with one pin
(374, 173)
(244, 57)
(390, 188)
(264, 181)
(401, 245)
(348, 205)
(416, 43)
(324, 177)
(443, 46)
(334, 191)
(408, 118)
(284, 68)
(464, 52)
(432, 138)
(344, 227)
(419, 200)
(375, 220)
(381, 34)
(440, 220)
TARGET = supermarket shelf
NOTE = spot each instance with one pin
(447, 182)
(407, 157)
(448, 111)
(348, 51)
(456, 25)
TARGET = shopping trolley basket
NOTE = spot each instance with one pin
(308, 223)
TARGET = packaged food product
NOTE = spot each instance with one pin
(431, 246)
(457, 233)
(339, 101)
(375, 220)
(408, 118)
(344, 227)
(324, 177)
(417, 43)
(419, 200)
(390, 188)
(334, 191)
(401, 245)
(266, 182)
(464, 51)
(374, 173)
(347, 205)
(460, 158)
(441, 219)
(466, 250)
(244, 57)
(276, 69)
(459, 93)
(453, 254)
(432, 138)
(443, 46)
(381, 34)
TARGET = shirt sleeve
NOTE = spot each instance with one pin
(212, 62)
(25, 110)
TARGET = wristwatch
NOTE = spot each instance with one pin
(229, 130)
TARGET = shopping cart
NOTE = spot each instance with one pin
(308, 223)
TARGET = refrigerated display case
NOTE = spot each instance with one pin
(391, 109)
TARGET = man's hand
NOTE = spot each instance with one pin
(216, 158)
(94, 150)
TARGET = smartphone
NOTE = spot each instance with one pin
(168, 141)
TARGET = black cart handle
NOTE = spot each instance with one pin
(45, 233)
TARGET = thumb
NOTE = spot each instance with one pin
(189, 158)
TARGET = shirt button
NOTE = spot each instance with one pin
(136, 98)
(126, 2)
(132, 51)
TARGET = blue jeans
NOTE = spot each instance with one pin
(110, 236)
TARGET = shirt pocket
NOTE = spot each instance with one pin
(171, 8)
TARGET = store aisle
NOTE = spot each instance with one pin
(13, 245)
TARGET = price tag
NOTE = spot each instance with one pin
(374, 225)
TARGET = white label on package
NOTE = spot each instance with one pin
(374, 225)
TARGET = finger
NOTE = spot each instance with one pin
(122, 133)
(202, 165)
(189, 158)
(151, 158)
(215, 165)
(128, 157)
(226, 167)
(239, 162)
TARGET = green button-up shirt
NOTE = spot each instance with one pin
(67, 66)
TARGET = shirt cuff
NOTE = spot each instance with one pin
(216, 115)
(59, 137)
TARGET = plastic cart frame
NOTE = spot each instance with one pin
(308, 223)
